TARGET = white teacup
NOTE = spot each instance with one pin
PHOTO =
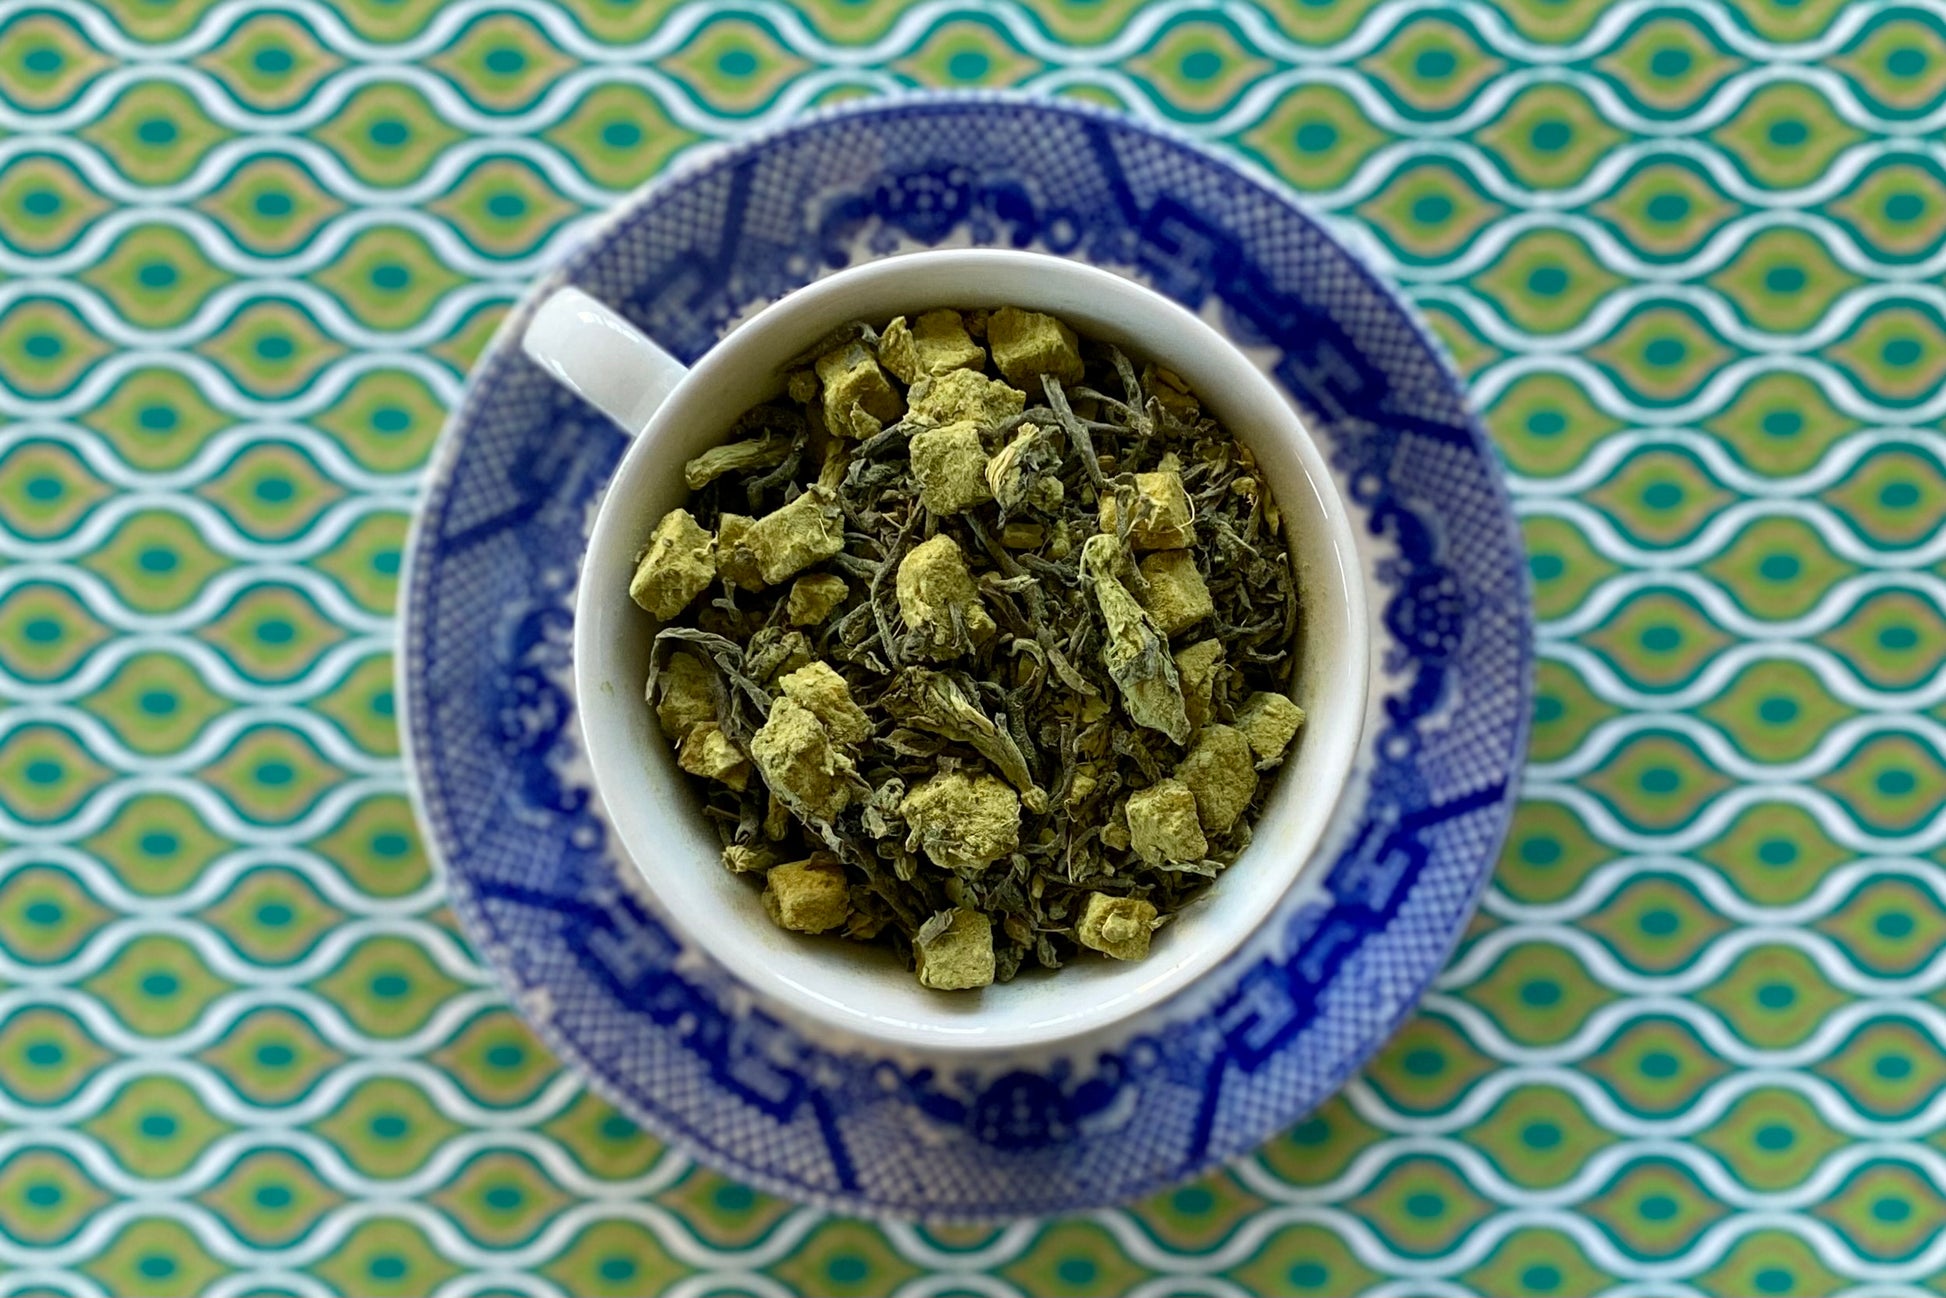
(676, 413)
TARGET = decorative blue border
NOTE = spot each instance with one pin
(489, 718)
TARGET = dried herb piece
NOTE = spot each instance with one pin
(988, 669)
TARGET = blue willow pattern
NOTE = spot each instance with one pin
(1686, 261)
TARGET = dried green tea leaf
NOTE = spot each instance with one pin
(1134, 650)
(938, 702)
(737, 457)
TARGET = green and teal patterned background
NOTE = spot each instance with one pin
(1690, 263)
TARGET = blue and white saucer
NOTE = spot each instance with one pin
(661, 1029)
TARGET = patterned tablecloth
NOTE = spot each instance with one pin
(1689, 266)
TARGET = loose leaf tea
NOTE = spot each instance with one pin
(989, 669)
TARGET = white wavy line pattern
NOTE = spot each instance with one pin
(1576, 924)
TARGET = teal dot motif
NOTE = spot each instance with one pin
(1662, 495)
(388, 1126)
(1777, 710)
(1892, 1068)
(1904, 207)
(616, 1268)
(41, 202)
(1777, 851)
(1779, 567)
(1899, 495)
(1775, 1137)
(1659, 923)
(156, 130)
(273, 203)
(1540, 1135)
(505, 1055)
(1782, 423)
(157, 1125)
(505, 60)
(1784, 279)
(1665, 352)
(273, 1196)
(1316, 137)
(1201, 65)
(505, 1198)
(44, 1194)
(1889, 1209)
(621, 135)
(1308, 1275)
(273, 59)
(156, 274)
(157, 703)
(390, 419)
(159, 984)
(1550, 136)
(1894, 925)
(1667, 207)
(275, 773)
(1671, 61)
(1906, 61)
(275, 347)
(386, 1266)
(156, 419)
(275, 914)
(1547, 423)
(1897, 637)
(1895, 783)
(390, 277)
(388, 133)
(275, 1054)
(966, 65)
(733, 1197)
(505, 205)
(1425, 1063)
(1657, 1207)
(1072, 1270)
(46, 914)
(1902, 352)
(1435, 65)
(1431, 209)
(390, 843)
(1776, 996)
(1541, 1277)
(1425, 1205)
(391, 986)
(158, 843)
(1788, 132)
(1546, 567)
(1660, 779)
(1540, 851)
(42, 59)
(156, 1266)
(1540, 993)
(156, 559)
(1547, 281)
(1772, 1279)
(1193, 1200)
(1659, 1064)
(275, 630)
(45, 1054)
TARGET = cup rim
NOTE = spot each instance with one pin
(775, 319)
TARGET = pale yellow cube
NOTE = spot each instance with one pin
(962, 821)
(933, 581)
(1177, 596)
(1163, 825)
(932, 343)
(1118, 927)
(686, 701)
(964, 396)
(678, 565)
(794, 754)
(950, 465)
(859, 400)
(786, 541)
(1170, 522)
(708, 752)
(810, 896)
(1197, 668)
(1027, 344)
(1221, 770)
(1269, 721)
(814, 598)
(959, 957)
(822, 690)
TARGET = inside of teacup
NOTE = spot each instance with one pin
(865, 988)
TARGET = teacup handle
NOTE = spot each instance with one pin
(602, 358)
